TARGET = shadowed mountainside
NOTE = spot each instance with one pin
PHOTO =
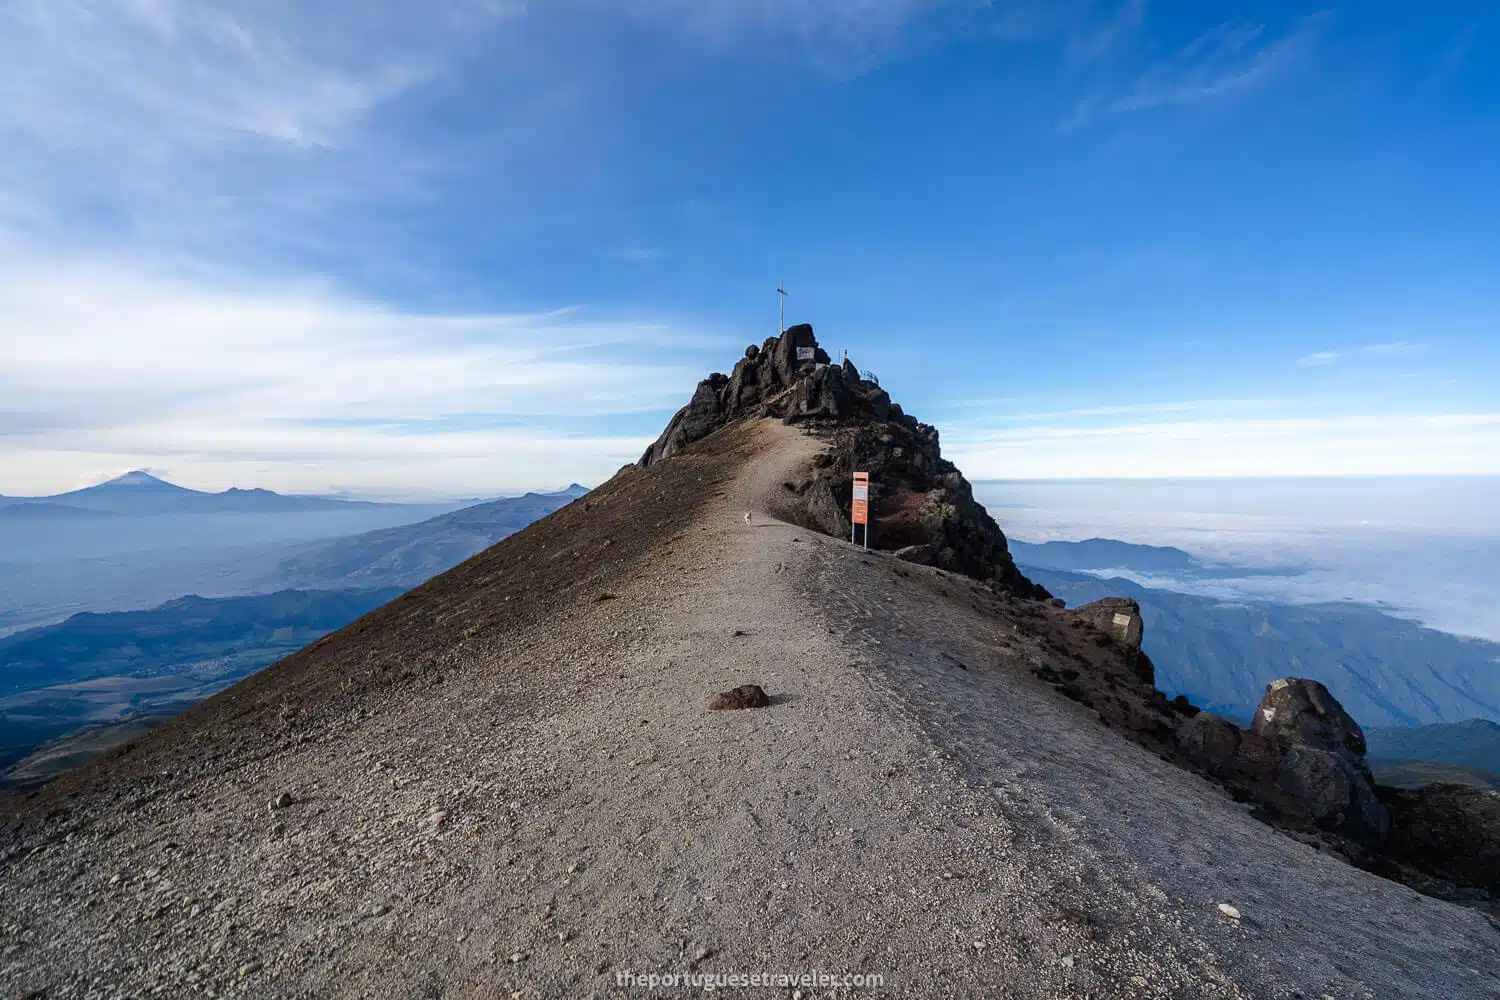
(100, 668)
(409, 554)
(1474, 743)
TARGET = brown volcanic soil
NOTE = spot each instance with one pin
(507, 783)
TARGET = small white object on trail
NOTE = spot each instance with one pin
(1229, 911)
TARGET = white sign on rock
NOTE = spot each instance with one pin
(806, 353)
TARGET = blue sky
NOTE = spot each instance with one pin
(479, 246)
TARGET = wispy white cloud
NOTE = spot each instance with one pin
(1094, 40)
(844, 38)
(1231, 60)
(296, 388)
(157, 73)
(1423, 444)
(1320, 359)
(212, 129)
(263, 128)
(1081, 413)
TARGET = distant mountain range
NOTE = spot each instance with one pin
(1471, 744)
(179, 633)
(407, 555)
(1386, 671)
(140, 493)
(38, 510)
(1095, 555)
(99, 668)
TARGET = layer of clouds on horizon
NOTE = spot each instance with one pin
(1425, 549)
(274, 245)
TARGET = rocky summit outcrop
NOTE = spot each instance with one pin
(921, 506)
(766, 374)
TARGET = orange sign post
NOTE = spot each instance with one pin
(861, 506)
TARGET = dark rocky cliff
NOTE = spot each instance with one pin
(921, 505)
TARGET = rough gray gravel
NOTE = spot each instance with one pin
(912, 805)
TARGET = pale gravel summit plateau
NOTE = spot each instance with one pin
(508, 782)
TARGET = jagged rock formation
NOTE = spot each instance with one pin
(921, 505)
(765, 374)
(1115, 677)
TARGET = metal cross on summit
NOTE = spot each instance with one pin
(781, 312)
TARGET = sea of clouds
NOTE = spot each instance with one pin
(1425, 548)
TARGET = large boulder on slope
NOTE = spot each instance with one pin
(1295, 711)
(1319, 754)
(1336, 793)
(1119, 617)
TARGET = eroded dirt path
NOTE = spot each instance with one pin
(548, 818)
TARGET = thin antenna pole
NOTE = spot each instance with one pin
(781, 309)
